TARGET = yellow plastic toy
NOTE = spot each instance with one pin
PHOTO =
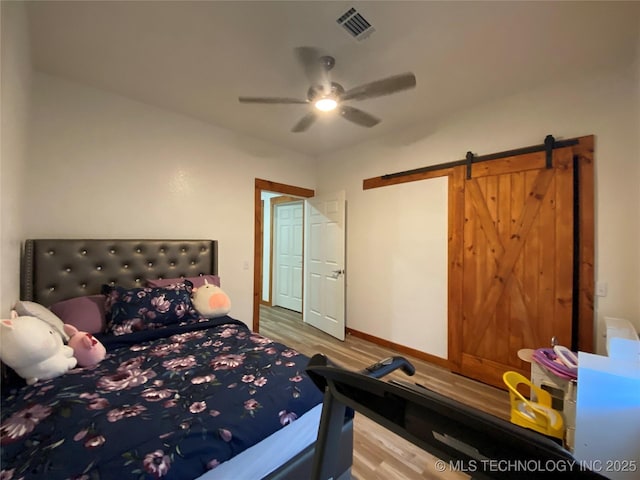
(536, 415)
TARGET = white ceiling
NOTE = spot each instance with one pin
(196, 58)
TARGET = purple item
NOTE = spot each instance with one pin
(84, 313)
(548, 359)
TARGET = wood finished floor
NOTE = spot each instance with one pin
(378, 453)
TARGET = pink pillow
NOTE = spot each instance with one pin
(197, 281)
(84, 313)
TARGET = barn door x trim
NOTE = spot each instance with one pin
(506, 257)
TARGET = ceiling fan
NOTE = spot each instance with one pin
(325, 95)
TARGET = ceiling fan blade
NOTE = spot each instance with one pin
(316, 70)
(305, 122)
(274, 100)
(356, 115)
(382, 87)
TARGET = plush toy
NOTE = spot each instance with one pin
(34, 349)
(210, 301)
(86, 348)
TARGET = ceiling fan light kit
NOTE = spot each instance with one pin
(325, 95)
(326, 104)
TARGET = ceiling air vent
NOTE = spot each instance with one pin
(355, 24)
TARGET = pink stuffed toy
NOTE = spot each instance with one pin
(86, 348)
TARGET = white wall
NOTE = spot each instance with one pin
(598, 104)
(404, 253)
(104, 166)
(15, 101)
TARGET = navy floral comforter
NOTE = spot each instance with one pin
(169, 403)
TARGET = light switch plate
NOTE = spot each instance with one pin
(601, 289)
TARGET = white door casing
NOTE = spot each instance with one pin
(324, 272)
(288, 243)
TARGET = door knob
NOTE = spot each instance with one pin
(337, 273)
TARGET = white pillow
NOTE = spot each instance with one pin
(32, 309)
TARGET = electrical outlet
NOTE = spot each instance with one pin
(601, 289)
(245, 265)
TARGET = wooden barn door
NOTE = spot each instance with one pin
(517, 261)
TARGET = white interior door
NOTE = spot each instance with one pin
(287, 260)
(324, 272)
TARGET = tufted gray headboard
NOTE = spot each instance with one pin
(58, 269)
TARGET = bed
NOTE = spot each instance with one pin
(186, 399)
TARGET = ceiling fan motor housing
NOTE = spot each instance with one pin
(317, 91)
(327, 62)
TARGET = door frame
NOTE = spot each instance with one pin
(261, 185)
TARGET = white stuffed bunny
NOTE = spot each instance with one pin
(34, 349)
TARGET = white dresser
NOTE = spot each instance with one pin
(607, 432)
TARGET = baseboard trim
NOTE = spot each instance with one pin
(441, 362)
